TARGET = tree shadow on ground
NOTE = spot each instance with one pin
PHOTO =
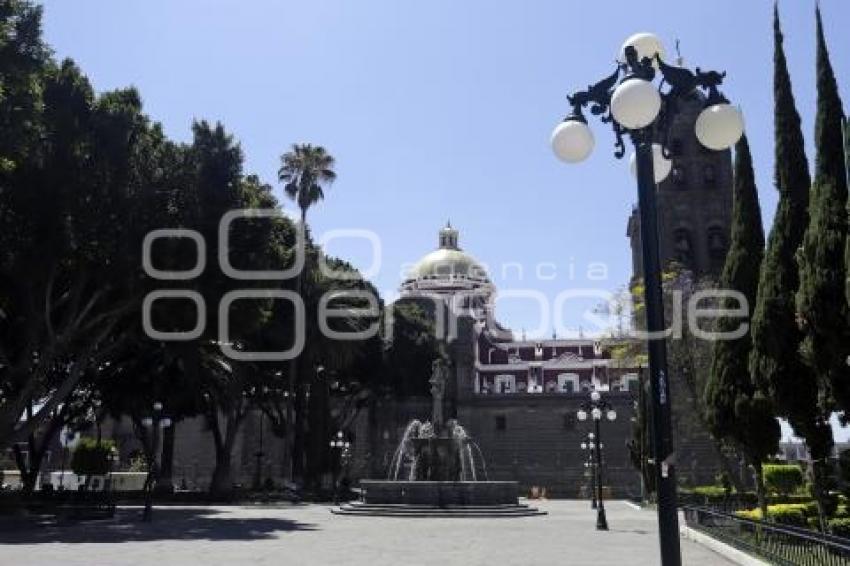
(168, 524)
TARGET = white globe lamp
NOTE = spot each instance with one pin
(582, 415)
(572, 141)
(597, 413)
(594, 396)
(646, 45)
(719, 126)
(661, 166)
(635, 103)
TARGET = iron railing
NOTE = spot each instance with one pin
(779, 544)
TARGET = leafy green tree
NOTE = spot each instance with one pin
(217, 186)
(775, 362)
(74, 211)
(306, 170)
(821, 306)
(735, 411)
(411, 350)
(24, 58)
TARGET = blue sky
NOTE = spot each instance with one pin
(441, 109)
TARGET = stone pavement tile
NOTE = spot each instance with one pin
(308, 535)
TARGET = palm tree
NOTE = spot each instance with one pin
(304, 170)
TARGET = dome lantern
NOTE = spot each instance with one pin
(448, 237)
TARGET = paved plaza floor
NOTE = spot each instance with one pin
(306, 535)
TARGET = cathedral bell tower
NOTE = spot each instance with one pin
(694, 202)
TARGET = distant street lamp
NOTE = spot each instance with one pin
(153, 424)
(590, 465)
(596, 408)
(343, 447)
(628, 100)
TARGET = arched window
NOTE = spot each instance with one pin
(716, 244)
(683, 249)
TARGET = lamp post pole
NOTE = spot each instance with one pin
(665, 475)
(341, 446)
(601, 519)
(153, 423)
(590, 466)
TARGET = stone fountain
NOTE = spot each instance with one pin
(438, 470)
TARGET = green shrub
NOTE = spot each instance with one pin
(92, 458)
(709, 491)
(783, 478)
(793, 514)
(840, 527)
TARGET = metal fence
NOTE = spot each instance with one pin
(779, 544)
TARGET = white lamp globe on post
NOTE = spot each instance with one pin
(572, 140)
(646, 45)
(635, 103)
(719, 126)
(582, 415)
(661, 166)
(597, 413)
(612, 415)
(594, 396)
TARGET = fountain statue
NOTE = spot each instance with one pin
(437, 469)
(439, 449)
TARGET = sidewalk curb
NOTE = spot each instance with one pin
(721, 548)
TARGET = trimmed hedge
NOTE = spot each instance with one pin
(783, 478)
(794, 514)
(840, 527)
(92, 457)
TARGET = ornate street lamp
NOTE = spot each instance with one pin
(597, 407)
(634, 106)
(153, 424)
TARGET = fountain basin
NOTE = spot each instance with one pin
(440, 493)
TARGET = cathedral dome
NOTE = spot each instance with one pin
(448, 262)
(444, 263)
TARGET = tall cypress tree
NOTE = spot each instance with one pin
(735, 410)
(821, 302)
(821, 306)
(775, 363)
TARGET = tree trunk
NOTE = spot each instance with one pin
(165, 482)
(733, 474)
(295, 416)
(758, 474)
(222, 478)
(819, 475)
(298, 434)
(318, 412)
